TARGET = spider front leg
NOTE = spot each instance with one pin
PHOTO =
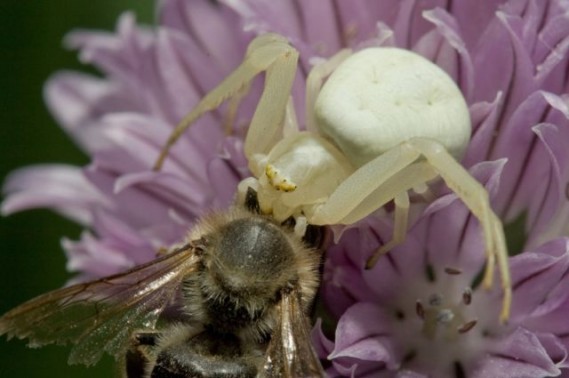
(475, 197)
(268, 52)
(314, 84)
(372, 186)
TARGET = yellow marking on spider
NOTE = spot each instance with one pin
(278, 181)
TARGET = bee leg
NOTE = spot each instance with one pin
(137, 360)
(251, 201)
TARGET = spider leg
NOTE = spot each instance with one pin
(233, 103)
(314, 83)
(401, 201)
(387, 186)
(290, 124)
(371, 186)
(394, 188)
(270, 53)
(396, 171)
(280, 61)
(475, 197)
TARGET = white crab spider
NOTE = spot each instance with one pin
(385, 121)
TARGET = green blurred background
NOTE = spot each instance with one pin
(31, 259)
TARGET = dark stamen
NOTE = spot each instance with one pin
(430, 273)
(420, 310)
(467, 326)
(400, 315)
(459, 370)
(453, 271)
(467, 296)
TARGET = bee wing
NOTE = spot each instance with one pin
(290, 352)
(101, 315)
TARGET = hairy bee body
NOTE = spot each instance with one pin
(233, 299)
(251, 260)
(240, 286)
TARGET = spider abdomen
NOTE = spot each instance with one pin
(380, 97)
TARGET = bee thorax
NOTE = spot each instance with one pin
(247, 264)
(249, 250)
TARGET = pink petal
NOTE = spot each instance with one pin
(485, 118)
(77, 100)
(127, 203)
(535, 276)
(61, 188)
(172, 190)
(118, 55)
(530, 164)
(445, 47)
(94, 258)
(221, 37)
(320, 342)
(519, 355)
(363, 333)
(514, 75)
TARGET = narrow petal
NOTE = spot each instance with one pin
(61, 188)
(554, 43)
(134, 142)
(221, 37)
(530, 162)
(77, 100)
(451, 53)
(514, 75)
(94, 258)
(546, 204)
(519, 355)
(126, 204)
(555, 348)
(473, 17)
(226, 171)
(535, 276)
(485, 117)
(171, 189)
(137, 248)
(115, 54)
(321, 344)
(343, 263)
(363, 334)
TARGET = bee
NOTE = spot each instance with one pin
(231, 300)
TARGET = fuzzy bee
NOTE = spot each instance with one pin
(236, 293)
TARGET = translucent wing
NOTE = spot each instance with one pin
(101, 315)
(290, 352)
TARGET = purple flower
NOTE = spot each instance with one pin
(121, 121)
(510, 59)
(419, 312)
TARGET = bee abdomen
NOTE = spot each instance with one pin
(210, 354)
